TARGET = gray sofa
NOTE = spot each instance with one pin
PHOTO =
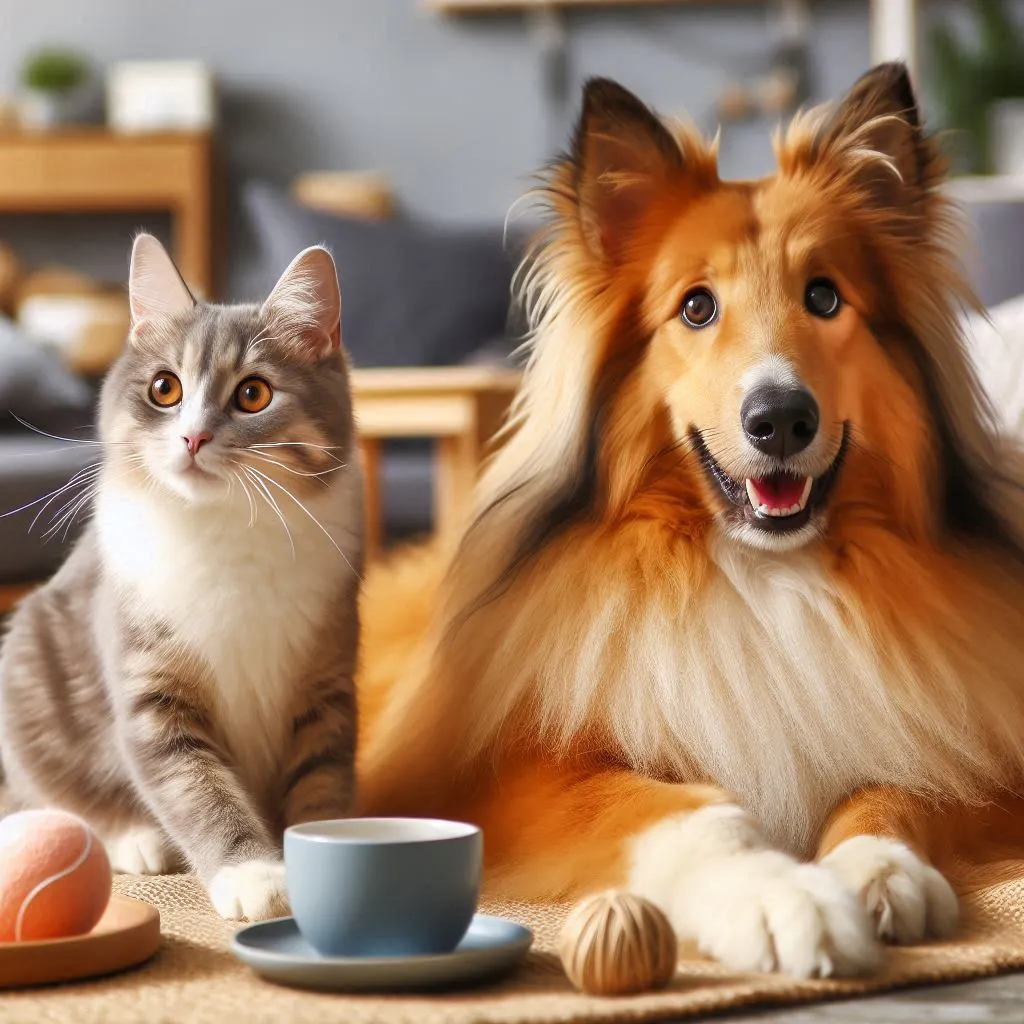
(35, 386)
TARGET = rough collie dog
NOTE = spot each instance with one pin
(739, 621)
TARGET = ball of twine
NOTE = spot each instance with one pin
(615, 943)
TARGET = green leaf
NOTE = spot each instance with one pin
(54, 71)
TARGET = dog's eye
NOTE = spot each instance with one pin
(699, 308)
(165, 390)
(822, 298)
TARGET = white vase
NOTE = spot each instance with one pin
(1006, 136)
(42, 111)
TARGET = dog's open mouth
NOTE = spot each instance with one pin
(780, 501)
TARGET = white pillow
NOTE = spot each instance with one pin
(996, 345)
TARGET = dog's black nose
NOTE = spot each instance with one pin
(779, 421)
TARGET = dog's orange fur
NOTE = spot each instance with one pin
(507, 684)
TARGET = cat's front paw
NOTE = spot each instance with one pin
(142, 850)
(751, 907)
(908, 900)
(254, 891)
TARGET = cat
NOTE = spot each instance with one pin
(185, 681)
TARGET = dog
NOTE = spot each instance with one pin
(738, 621)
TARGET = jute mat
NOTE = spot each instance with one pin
(194, 979)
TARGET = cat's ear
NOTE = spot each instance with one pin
(304, 309)
(155, 288)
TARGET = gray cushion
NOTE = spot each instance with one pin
(997, 261)
(31, 467)
(35, 385)
(411, 294)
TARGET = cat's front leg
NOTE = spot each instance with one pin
(185, 776)
(319, 779)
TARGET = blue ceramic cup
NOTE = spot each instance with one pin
(383, 886)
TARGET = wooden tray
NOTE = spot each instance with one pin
(128, 934)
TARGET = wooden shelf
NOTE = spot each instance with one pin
(512, 6)
(93, 170)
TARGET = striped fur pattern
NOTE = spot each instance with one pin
(626, 683)
(185, 682)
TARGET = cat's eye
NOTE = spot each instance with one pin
(821, 298)
(253, 394)
(699, 308)
(165, 390)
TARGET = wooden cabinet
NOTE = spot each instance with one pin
(95, 170)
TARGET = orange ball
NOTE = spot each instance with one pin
(54, 876)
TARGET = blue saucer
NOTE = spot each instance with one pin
(277, 951)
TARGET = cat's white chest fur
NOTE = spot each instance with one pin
(236, 595)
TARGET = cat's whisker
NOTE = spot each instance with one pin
(245, 490)
(263, 335)
(312, 517)
(54, 451)
(297, 472)
(327, 449)
(89, 483)
(273, 504)
(70, 440)
(294, 444)
(70, 509)
(67, 519)
(51, 495)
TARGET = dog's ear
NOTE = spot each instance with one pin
(622, 153)
(878, 127)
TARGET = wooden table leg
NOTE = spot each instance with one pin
(457, 460)
(372, 488)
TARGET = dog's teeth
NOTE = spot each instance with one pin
(783, 510)
(808, 484)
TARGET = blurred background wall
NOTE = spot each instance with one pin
(449, 115)
(453, 110)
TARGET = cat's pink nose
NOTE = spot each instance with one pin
(196, 441)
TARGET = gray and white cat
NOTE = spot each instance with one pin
(185, 681)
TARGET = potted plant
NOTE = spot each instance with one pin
(52, 82)
(981, 88)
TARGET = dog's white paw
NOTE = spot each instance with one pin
(907, 899)
(764, 911)
(143, 850)
(254, 890)
(750, 907)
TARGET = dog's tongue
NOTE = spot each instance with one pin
(780, 490)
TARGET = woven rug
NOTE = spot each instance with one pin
(194, 978)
